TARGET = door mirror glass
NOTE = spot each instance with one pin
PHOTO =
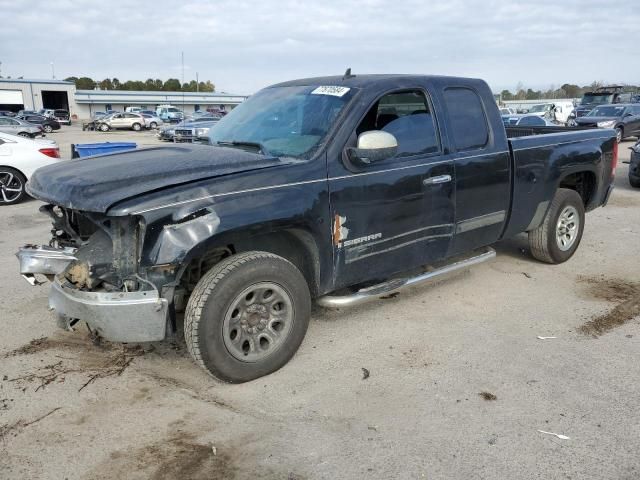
(374, 146)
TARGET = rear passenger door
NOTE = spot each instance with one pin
(634, 120)
(482, 168)
(395, 214)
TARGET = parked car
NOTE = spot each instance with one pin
(20, 158)
(148, 112)
(169, 113)
(194, 131)
(7, 113)
(526, 119)
(48, 124)
(624, 118)
(166, 132)
(26, 112)
(338, 189)
(46, 112)
(151, 121)
(132, 121)
(62, 116)
(507, 111)
(20, 127)
(133, 109)
(634, 166)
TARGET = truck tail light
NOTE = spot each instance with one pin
(614, 160)
(50, 152)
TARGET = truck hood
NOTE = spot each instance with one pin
(97, 183)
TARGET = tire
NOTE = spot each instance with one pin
(136, 127)
(619, 134)
(634, 181)
(153, 125)
(240, 309)
(12, 184)
(103, 127)
(47, 128)
(555, 241)
(24, 134)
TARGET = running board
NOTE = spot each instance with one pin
(375, 291)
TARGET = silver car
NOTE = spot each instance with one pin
(133, 121)
(151, 121)
(20, 127)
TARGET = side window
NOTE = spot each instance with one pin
(4, 121)
(408, 116)
(468, 122)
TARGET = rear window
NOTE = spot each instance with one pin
(467, 119)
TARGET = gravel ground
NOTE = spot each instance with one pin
(458, 386)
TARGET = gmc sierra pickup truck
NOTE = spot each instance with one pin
(336, 190)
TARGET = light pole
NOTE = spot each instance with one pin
(53, 75)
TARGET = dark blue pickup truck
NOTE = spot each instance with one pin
(336, 190)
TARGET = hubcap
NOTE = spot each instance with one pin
(10, 187)
(567, 228)
(258, 322)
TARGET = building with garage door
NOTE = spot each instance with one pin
(26, 94)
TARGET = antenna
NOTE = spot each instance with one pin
(347, 74)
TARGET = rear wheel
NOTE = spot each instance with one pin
(153, 125)
(12, 184)
(47, 128)
(634, 181)
(24, 134)
(557, 239)
(247, 316)
(137, 127)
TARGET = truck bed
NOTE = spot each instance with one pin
(543, 156)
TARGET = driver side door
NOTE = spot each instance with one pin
(398, 213)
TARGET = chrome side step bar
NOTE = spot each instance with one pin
(375, 291)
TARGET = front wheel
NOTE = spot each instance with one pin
(103, 127)
(153, 125)
(47, 128)
(12, 184)
(619, 134)
(247, 316)
(634, 181)
(557, 239)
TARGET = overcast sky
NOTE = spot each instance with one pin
(242, 46)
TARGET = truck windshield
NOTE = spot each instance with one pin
(283, 121)
(607, 111)
(593, 98)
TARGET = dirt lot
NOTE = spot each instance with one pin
(458, 386)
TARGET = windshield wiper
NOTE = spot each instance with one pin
(236, 143)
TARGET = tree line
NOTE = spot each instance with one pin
(568, 90)
(149, 85)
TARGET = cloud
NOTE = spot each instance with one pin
(242, 46)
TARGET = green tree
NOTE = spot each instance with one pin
(506, 95)
(571, 90)
(71, 79)
(106, 84)
(171, 85)
(85, 83)
(207, 86)
(116, 84)
(150, 85)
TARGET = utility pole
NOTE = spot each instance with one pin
(197, 83)
(53, 74)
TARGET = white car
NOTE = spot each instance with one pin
(19, 158)
(151, 121)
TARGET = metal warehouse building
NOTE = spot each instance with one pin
(31, 94)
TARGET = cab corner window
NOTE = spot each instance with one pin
(406, 115)
(467, 119)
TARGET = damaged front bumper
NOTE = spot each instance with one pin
(134, 316)
(116, 316)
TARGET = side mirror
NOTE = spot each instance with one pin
(374, 146)
(628, 114)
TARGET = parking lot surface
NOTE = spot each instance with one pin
(448, 381)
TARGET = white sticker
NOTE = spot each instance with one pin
(331, 90)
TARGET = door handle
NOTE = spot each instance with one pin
(437, 180)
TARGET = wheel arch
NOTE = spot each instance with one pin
(582, 181)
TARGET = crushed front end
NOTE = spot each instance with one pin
(93, 263)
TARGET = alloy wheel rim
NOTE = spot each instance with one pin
(258, 322)
(567, 228)
(10, 187)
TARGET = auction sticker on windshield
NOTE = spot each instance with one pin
(331, 90)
